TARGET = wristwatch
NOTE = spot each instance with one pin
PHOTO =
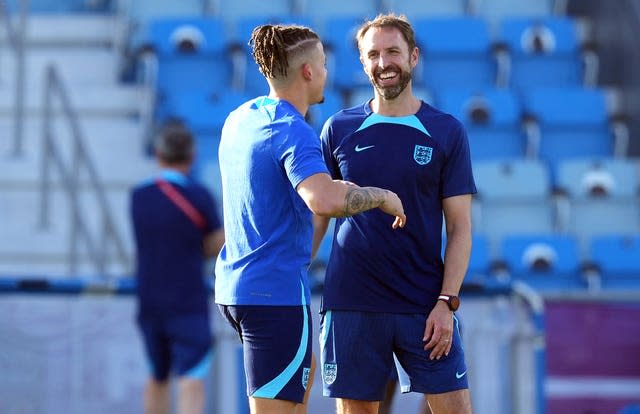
(453, 302)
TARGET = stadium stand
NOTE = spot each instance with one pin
(509, 191)
(548, 262)
(617, 260)
(426, 8)
(456, 51)
(493, 119)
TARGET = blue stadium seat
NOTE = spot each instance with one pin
(319, 113)
(231, 11)
(492, 118)
(479, 260)
(574, 122)
(204, 113)
(63, 6)
(456, 51)
(543, 52)
(495, 11)
(425, 8)
(544, 261)
(343, 58)
(618, 260)
(602, 197)
(513, 197)
(324, 10)
(191, 55)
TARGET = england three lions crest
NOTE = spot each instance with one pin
(422, 154)
(329, 373)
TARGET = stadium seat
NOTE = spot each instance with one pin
(62, 6)
(492, 118)
(319, 113)
(617, 258)
(543, 52)
(573, 122)
(543, 260)
(513, 197)
(204, 113)
(602, 197)
(232, 11)
(425, 8)
(343, 58)
(495, 11)
(456, 51)
(322, 11)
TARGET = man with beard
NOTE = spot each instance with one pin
(273, 178)
(390, 292)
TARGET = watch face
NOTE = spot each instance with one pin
(454, 303)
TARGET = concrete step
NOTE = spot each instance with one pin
(76, 66)
(69, 30)
(86, 100)
(116, 146)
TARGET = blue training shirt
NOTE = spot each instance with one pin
(170, 259)
(266, 150)
(423, 158)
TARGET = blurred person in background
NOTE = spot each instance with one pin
(389, 293)
(176, 228)
(273, 178)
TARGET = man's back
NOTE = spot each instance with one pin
(263, 157)
(169, 246)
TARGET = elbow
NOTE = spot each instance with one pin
(325, 207)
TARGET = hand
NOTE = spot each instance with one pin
(393, 206)
(439, 331)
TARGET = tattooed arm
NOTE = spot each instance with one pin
(335, 198)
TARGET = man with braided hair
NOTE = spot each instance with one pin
(273, 179)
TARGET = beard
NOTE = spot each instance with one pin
(393, 91)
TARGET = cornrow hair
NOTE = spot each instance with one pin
(274, 45)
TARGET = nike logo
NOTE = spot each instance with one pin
(360, 149)
(458, 375)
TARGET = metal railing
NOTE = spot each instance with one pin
(16, 38)
(97, 246)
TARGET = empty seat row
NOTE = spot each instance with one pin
(456, 50)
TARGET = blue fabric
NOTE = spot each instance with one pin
(170, 262)
(266, 150)
(363, 375)
(423, 158)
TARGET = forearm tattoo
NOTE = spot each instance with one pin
(362, 199)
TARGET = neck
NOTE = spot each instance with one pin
(294, 94)
(181, 168)
(403, 105)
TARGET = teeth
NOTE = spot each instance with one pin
(389, 75)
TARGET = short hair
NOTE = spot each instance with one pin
(275, 45)
(175, 145)
(399, 22)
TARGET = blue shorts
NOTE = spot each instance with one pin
(276, 342)
(357, 351)
(178, 344)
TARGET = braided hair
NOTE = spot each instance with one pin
(275, 46)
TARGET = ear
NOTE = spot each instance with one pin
(307, 72)
(414, 57)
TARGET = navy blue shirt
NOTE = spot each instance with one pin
(170, 258)
(423, 158)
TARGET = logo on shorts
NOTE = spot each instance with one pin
(422, 154)
(329, 373)
(305, 377)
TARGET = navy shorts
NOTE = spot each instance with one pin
(357, 351)
(276, 342)
(178, 344)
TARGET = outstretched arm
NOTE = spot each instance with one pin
(335, 198)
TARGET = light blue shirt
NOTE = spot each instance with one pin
(266, 150)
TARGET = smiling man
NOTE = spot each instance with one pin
(389, 291)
